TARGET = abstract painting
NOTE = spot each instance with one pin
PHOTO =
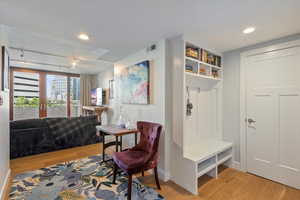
(135, 83)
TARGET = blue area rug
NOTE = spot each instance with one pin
(84, 179)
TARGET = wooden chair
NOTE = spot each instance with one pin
(142, 157)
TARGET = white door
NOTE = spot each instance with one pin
(273, 115)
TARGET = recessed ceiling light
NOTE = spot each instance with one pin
(83, 36)
(248, 30)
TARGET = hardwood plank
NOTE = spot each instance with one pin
(230, 185)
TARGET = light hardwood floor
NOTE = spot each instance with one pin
(231, 184)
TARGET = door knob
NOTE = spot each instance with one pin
(250, 121)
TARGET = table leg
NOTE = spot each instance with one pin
(117, 143)
(103, 149)
(121, 141)
(135, 138)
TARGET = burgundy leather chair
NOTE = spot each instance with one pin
(142, 157)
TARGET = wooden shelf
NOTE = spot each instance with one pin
(202, 76)
(202, 63)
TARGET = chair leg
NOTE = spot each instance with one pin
(129, 187)
(143, 173)
(115, 173)
(156, 178)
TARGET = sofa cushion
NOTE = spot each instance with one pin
(64, 131)
(27, 124)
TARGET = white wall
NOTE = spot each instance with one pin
(231, 91)
(4, 128)
(154, 112)
(101, 80)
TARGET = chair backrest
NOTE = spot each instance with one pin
(149, 137)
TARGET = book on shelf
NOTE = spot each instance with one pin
(218, 61)
(189, 68)
(210, 58)
(203, 55)
(192, 52)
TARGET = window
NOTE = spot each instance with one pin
(57, 95)
(75, 96)
(38, 94)
(26, 95)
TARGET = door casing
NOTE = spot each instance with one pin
(243, 97)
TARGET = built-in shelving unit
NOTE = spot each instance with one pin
(198, 147)
(202, 76)
(201, 62)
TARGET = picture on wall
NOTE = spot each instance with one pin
(135, 83)
(4, 80)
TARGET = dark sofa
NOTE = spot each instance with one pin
(34, 136)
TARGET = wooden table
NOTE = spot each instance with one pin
(116, 131)
(94, 109)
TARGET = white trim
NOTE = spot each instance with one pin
(243, 103)
(243, 112)
(236, 165)
(165, 176)
(275, 47)
(5, 185)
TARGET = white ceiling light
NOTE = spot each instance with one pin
(74, 62)
(83, 36)
(248, 30)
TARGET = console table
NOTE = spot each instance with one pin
(97, 110)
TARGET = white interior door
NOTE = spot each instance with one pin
(273, 115)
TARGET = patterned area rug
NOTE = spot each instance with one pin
(84, 179)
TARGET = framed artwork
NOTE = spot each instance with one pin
(111, 89)
(135, 83)
(4, 69)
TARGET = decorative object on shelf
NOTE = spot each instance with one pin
(202, 71)
(4, 70)
(189, 105)
(215, 73)
(111, 89)
(135, 83)
(192, 52)
(188, 68)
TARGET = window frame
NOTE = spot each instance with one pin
(42, 88)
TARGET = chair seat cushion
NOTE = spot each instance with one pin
(130, 160)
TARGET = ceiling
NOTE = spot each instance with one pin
(119, 28)
(42, 51)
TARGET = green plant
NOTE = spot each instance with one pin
(22, 102)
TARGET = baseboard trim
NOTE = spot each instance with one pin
(5, 185)
(236, 165)
(165, 176)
